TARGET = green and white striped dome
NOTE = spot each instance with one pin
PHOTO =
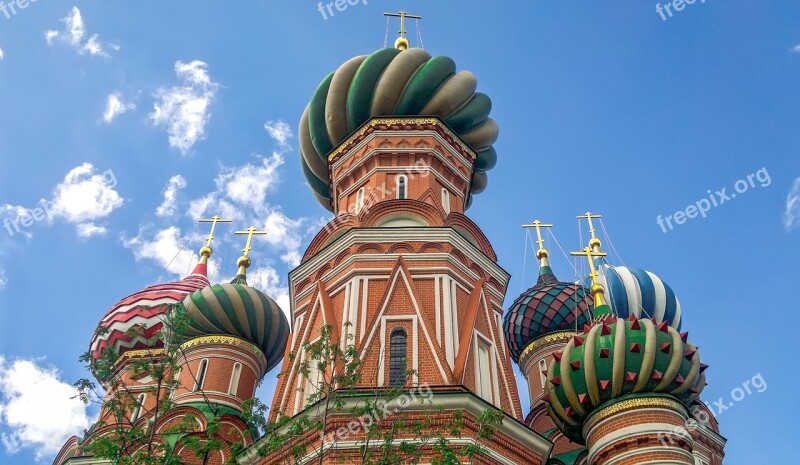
(391, 82)
(239, 310)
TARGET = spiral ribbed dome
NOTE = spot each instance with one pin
(547, 307)
(391, 82)
(632, 291)
(239, 310)
(145, 310)
(617, 358)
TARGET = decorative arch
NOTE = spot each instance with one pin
(428, 213)
(431, 247)
(335, 228)
(401, 247)
(472, 233)
(370, 248)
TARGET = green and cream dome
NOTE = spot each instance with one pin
(615, 358)
(236, 309)
(391, 82)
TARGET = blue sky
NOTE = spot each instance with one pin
(603, 106)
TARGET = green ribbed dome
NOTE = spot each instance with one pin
(616, 358)
(391, 82)
(239, 310)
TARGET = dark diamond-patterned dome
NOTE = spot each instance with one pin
(547, 307)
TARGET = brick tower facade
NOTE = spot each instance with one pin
(401, 261)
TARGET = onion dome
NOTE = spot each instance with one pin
(615, 358)
(632, 291)
(392, 82)
(547, 307)
(135, 322)
(236, 309)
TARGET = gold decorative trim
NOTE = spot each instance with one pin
(142, 353)
(225, 340)
(371, 124)
(543, 341)
(628, 404)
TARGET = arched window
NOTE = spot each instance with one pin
(359, 200)
(542, 371)
(402, 187)
(398, 354)
(446, 200)
(201, 375)
(237, 372)
(137, 410)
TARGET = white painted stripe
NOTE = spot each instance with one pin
(661, 297)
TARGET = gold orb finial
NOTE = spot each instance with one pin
(401, 43)
(244, 261)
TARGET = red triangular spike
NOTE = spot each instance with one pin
(578, 341)
(679, 379)
(606, 330)
(663, 327)
(685, 336)
(604, 384)
(587, 328)
(665, 346)
(546, 398)
(583, 398)
(703, 367)
(636, 347)
(605, 353)
(544, 372)
(657, 375)
(635, 325)
(630, 376)
(631, 317)
(689, 353)
(569, 411)
(557, 356)
(576, 365)
(654, 320)
(556, 381)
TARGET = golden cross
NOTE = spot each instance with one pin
(402, 42)
(594, 243)
(206, 251)
(250, 232)
(597, 289)
(542, 253)
(538, 225)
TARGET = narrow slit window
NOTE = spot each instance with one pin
(484, 372)
(446, 200)
(543, 371)
(137, 410)
(359, 200)
(398, 355)
(402, 187)
(237, 373)
(201, 375)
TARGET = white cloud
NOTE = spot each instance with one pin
(2, 54)
(279, 131)
(86, 230)
(168, 207)
(184, 109)
(12, 220)
(167, 247)
(796, 48)
(3, 279)
(284, 232)
(248, 184)
(115, 106)
(85, 195)
(73, 33)
(791, 216)
(38, 408)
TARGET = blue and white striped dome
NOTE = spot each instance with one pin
(631, 291)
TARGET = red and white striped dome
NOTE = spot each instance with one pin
(144, 309)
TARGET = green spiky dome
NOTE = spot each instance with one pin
(615, 358)
(391, 82)
(236, 309)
